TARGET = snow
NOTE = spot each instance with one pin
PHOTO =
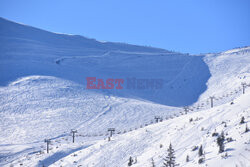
(43, 96)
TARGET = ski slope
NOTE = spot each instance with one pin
(43, 95)
(28, 51)
(147, 142)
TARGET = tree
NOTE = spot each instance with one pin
(220, 142)
(169, 161)
(242, 121)
(135, 160)
(130, 161)
(152, 163)
(247, 129)
(201, 155)
(187, 158)
(200, 151)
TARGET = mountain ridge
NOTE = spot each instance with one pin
(7, 26)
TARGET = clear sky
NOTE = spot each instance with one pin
(190, 26)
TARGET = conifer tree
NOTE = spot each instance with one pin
(247, 129)
(220, 142)
(152, 163)
(200, 151)
(187, 158)
(242, 121)
(169, 160)
(130, 161)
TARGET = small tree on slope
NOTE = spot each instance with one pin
(130, 161)
(169, 161)
(152, 163)
(201, 151)
(242, 121)
(247, 129)
(201, 155)
(187, 158)
(220, 142)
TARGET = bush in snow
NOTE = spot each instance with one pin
(224, 156)
(201, 160)
(229, 139)
(215, 133)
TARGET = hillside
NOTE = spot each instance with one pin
(27, 51)
(43, 95)
(152, 141)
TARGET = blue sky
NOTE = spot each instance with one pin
(190, 26)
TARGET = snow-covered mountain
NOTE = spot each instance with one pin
(43, 95)
(185, 133)
(27, 51)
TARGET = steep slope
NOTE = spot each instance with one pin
(27, 51)
(229, 70)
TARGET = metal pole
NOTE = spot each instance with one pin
(73, 134)
(212, 104)
(243, 86)
(157, 119)
(186, 109)
(111, 130)
(47, 141)
(47, 147)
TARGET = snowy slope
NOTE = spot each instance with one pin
(228, 69)
(183, 134)
(43, 95)
(44, 86)
(144, 143)
(27, 51)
